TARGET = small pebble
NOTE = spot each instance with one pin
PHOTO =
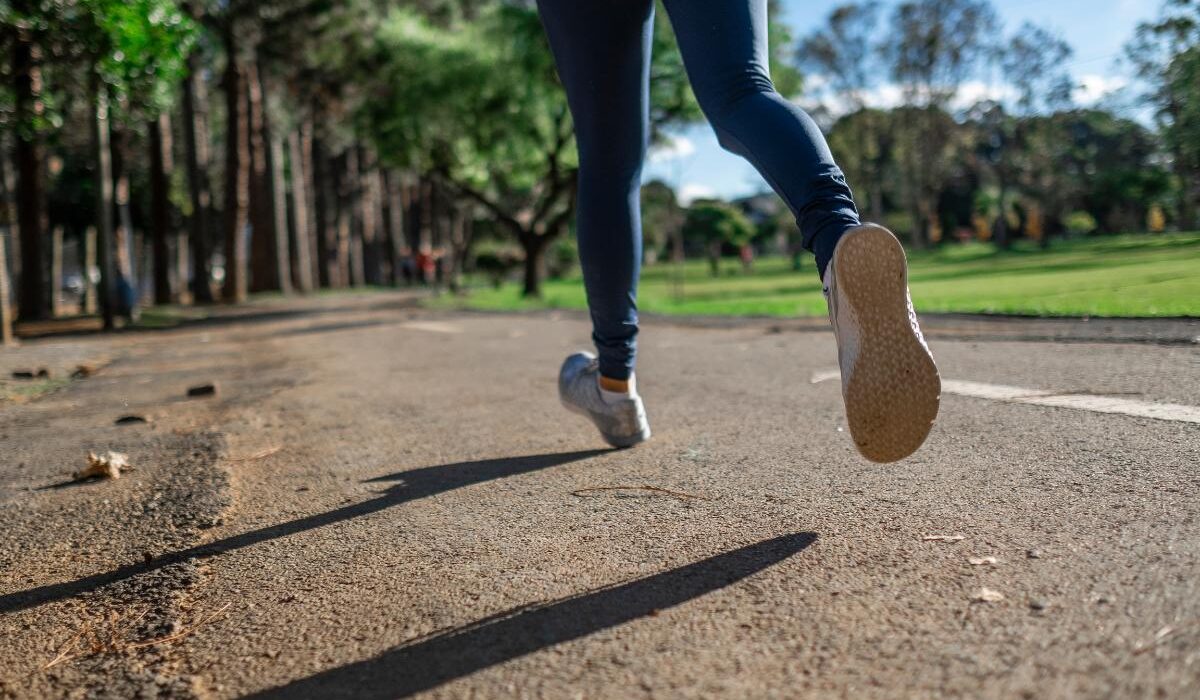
(1033, 553)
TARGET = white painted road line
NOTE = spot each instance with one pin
(1038, 397)
(431, 327)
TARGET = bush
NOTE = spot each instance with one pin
(1080, 223)
(496, 264)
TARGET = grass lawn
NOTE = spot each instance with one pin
(1135, 275)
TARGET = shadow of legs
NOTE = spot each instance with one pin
(443, 657)
(414, 484)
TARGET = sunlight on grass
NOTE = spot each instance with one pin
(1113, 276)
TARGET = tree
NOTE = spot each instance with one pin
(28, 115)
(480, 110)
(715, 224)
(661, 220)
(1166, 56)
(843, 53)
(1033, 62)
(935, 45)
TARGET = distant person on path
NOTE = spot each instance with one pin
(602, 50)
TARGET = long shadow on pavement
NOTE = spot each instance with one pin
(417, 483)
(430, 661)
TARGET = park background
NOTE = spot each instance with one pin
(160, 156)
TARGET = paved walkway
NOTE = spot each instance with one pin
(381, 502)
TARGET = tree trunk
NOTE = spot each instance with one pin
(264, 260)
(56, 271)
(1000, 234)
(535, 263)
(237, 174)
(283, 246)
(714, 258)
(393, 219)
(6, 334)
(350, 233)
(302, 263)
(32, 300)
(104, 203)
(123, 243)
(161, 165)
(90, 303)
(195, 136)
(370, 199)
(325, 208)
(460, 244)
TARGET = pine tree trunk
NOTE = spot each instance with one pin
(6, 332)
(370, 199)
(264, 272)
(352, 239)
(123, 243)
(393, 219)
(302, 264)
(90, 303)
(283, 245)
(56, 271)
(8, 232)
(325, 208)
(32, 300)
(104, 203)
(237, 174)
(161, 165)
(195, 136)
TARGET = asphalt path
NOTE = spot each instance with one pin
(382, 501)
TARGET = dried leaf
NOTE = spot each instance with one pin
(982, 561)
(943, 538)
(107, 465)
(987, 595)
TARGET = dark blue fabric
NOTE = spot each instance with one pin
(602, 50)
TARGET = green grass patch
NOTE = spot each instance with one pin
(1131, 275)
(169, 316)
(20, 391)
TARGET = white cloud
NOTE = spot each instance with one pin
(693, 190)
(974, 91)
(1092, 88)
(677, 148)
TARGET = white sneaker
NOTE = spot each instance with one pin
(889, 381)
(622, 423)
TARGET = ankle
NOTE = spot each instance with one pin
(616, 390)
(616, 386)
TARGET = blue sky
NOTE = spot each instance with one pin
(1096, 29)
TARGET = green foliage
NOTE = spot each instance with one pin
(1080, 223)
(709, 221)
(479, 102)
(141, 48)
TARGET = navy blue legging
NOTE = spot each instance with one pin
(602, 50)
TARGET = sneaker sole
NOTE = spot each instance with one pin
(893, 391)
(618, 442)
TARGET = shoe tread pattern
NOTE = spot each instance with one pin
(893, 390)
